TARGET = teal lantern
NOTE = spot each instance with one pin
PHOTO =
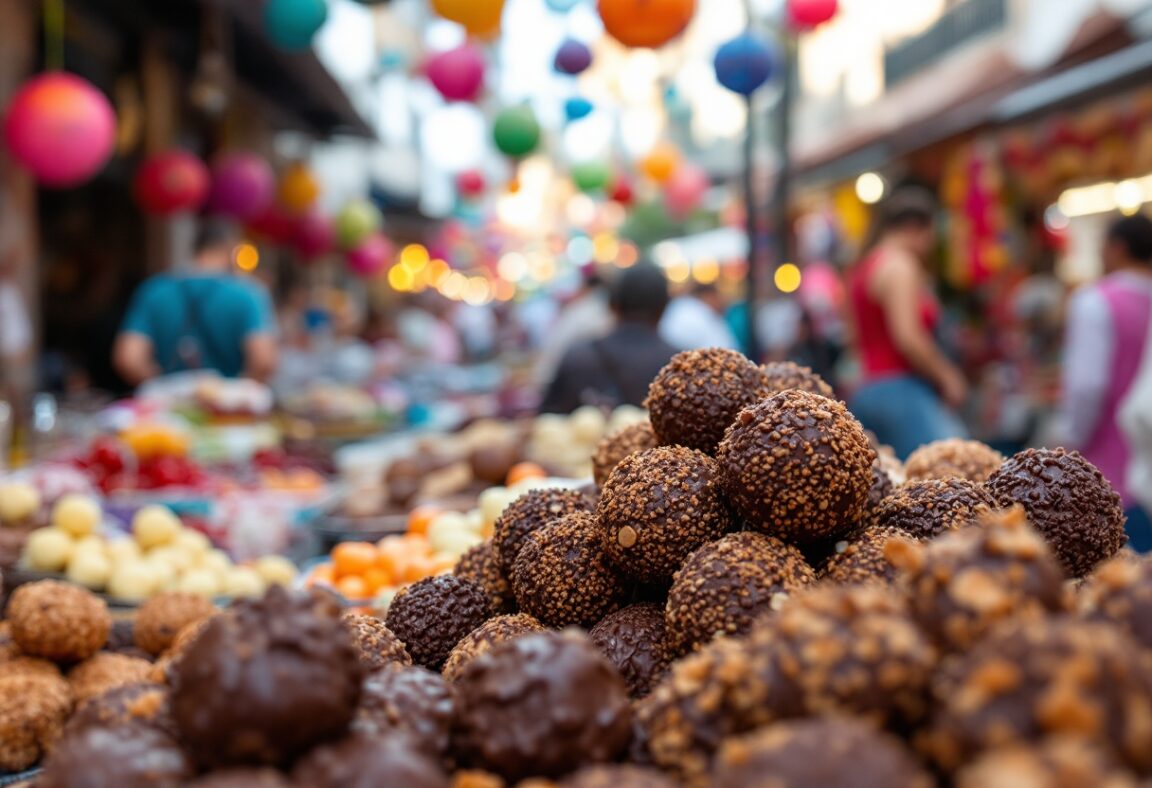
(591, 176)
(292, 24)
(516, 132)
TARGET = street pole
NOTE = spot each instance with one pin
(783, 187)
(751, 212)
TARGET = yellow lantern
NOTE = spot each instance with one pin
(299, 189)
(478, 17)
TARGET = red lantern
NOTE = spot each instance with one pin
(471, 183)
(274, 224)
(171, 182)
(807, 14)
(315, 235)
(622, 192)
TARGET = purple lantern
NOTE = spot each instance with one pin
(457, 74)
(243, 186)
(573, 57)
(315, 235)
(371, 256)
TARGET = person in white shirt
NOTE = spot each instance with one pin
(695, 321)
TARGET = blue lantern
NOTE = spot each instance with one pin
(577, 108)
(292, 24)
(744, 64)
(573, 58)
(562, 6)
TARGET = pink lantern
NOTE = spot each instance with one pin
(471, 183)
(61, 128)
(685, 190)
(371, 256)
(807, 14)
(171, 182)
(458, 73)
(315, 235)
(243, 186)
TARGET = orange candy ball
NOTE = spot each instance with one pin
(646, 23)
(524, 471)
(354, 558)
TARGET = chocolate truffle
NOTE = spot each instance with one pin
(33, 709)
(131, 756)
(620, 445)
(694, 399)
(122, 636)
(541, 705)
(481, 565)
(162, 668)
(954, 458)
(1063, 762)
(798, 466)
(833, 752)
(881, 488)
(408, 700)
(964, 583)
(724, 586)
(8, 648)
(431, 617)
(32, 666)
(786, 375)
(621, 776)
(266, 681)
(563, 576)
(106, 671)
(378, 645)
(161, 618)
(58, 621)
(242, 778)
(1068, 501)
(134, 704)
(370, 762)
(484, 637)
(1120, 592)
(533, 510)
(926, 509)
(657, 507)
(1031, 680)
(634, 641)
(862, 560)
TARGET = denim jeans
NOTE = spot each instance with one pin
(1139, 530)
(905, 413)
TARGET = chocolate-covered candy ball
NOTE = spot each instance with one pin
(128, 756)
(954, 458)
(533, 510)
(370, 762)
(1061, 762)
(634, 640)
(122, 637)
(431, 617)
(1120, 592)
(724, 586)
(1068, 501)
(563, 576)
(862, 560)
(268, 680)
(657, 507)
(621, 444)
(408, 700)
(798, 466)
(378, 645)
(58, 621)
(617, 776)
(541, 705)
(926, 509)
(242, 778)
(33, 709)
(161, 618)
(136, 704)
(106, 671)
(481, 565)
(833, 752)
(694, 399)
(484, 637)
(787, 375)
(881, 488)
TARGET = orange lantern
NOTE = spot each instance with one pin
(660, 165)
(478, 17)
(646, 23)
(298, 189)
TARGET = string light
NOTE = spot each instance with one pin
(247, 257)
(788, 278)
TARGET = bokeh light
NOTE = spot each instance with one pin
(788, 278)
(247, 257)
(870, 188)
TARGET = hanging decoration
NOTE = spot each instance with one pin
(561, 6)
(355, 222)
(170, 183)
(479, 17)
(622, 191)
(573, 57)
(243, 186)
(274, 224)
(315, 236)
(661, 163)
(292, 24)
(744, 64)
(591, 176)
(577, 108)
(299, 188)
(370, 256)
(60, 128)
(516, 132)
(808, 14)
(471, 183)
(685, 190)
(458, 74)
(646, 23)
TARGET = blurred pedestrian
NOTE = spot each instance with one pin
(588, 315)
(910, 387)
(696, 320)
(17, 367)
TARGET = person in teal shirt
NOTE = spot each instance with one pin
(202, 318)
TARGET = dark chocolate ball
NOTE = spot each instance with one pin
(657, 507)
(954, 458)
(127, 756)
(1120, 592)
(832, 752)
(431, 616)
(617, 776)
(862, 560)
(266, 681)
(533, 510)
(135, 704)
(242, 778)
(370, 762)
(694, 399)
(787, 375)
(484, 637)
(563, 576)
(378, 645)
(409, 700)
(481, 565)
(798, 466)
(619, 445)
(1069, 502)
(634, 640)
(881, 488)
(1055, 763)
(926, 509)
(724, 586)
(541, 705)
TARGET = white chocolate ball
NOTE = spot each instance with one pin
(276, 570)
(89, 568)
(48, 549)
(457, 543)
(94, 543)
(79, 515)
(18, 502)
(244, 583)
(216, 561)
(132, 580)
(446, 528)
(493, 502)
(587, 425)
(173, 555)
(121, 550)
(154, 526)
(164, 574)
(192, 542)
(204, 582)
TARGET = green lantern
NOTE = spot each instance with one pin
(355, 222)
(591, 176)
(516, 132)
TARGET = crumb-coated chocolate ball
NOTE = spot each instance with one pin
(1031, 680)
(161, 618)
(541, 705)
(694, 399)
(954, 458)
(831, 752)
(1120, 592)
(1062, 762)
(431, 616)
(620, 445)
(617, 776)
(1068, 501)
(881, 488)
(162, 668)
(563, 576)
(533, 510)
(266, 681)
(122, 635)
(370, 762)
(798, 466)
(657, 507)
(925, 509)
(634, 640)
(481, 565)
(58, 621)
(106, 671)
(724, 586)
(786, 375)
(862, 560)
(484, 637)
(31, 666)
(33, 710)
(134, 704)
(242, 778)
(131, 756)
(966, 582)
(408, 700)
(378, 645)
(8, 648)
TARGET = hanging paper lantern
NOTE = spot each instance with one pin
(561, 6)
(371, 255)
(622, 191)
(685, 190)
(573, 57)
(516, 132)
(171, 182)
(315, 235)
(479, 17)
(60, 128)
(591, 176)
(661, 163)
(458, 73)
(578, 108)
(292, 24)
(355, 222)
(274, 224)
(646, 23)
(471, 183)
(807, 14)
(243, 186)
(299, 189)
(744, 64)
